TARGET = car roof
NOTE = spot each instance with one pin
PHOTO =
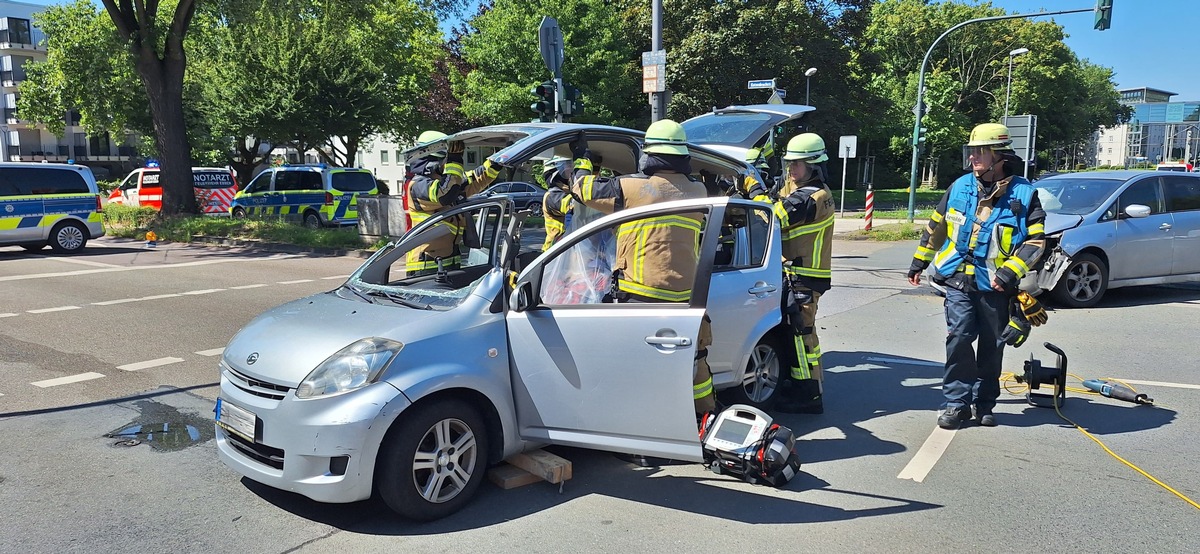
(1122, 174)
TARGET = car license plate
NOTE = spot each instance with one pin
(236, 420)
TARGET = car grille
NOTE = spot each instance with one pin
(260, 453)
(254, 386)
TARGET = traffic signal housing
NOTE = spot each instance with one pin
(572, 102)
(919, 139)
(1103, 14)
(544, 105)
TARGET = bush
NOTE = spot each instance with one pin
(120, 216)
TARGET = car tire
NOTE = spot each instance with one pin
(312, 220)
(449, 437)
(34, 247)
(68, 237)
(239, 213)
(758, 385)
(1083, 283)
(535, 208)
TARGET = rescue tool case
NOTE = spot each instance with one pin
(744, 441)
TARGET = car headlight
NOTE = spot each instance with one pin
(351, 368)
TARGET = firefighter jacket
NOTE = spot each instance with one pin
(556, 207)
(805, 213)
(973, 237)
(657, 256)
(430, 193)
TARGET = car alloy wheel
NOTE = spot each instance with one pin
(759, 380)
(445, 458)
(1083, 283)
(69, 237)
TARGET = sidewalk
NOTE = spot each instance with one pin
(843, 225)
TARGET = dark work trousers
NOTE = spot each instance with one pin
(973, 376)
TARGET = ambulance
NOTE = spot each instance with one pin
(316, 194)
(215, 188)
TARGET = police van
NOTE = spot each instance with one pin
(214, 187)
(317, 194)
(46, 203)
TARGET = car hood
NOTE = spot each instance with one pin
(1056, 223)
(289, 341)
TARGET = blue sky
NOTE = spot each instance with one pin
(1147, 46)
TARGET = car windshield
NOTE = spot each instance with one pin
(352, 181)
(439, 265)
(732, 128)
(1075, 195)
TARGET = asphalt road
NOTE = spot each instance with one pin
(121, 336)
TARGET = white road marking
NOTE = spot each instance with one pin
(81, 262)
(149, 364)
(244, 287)
(198, 292)
(142, 267)
(67, 380)
(1160, 384)
(295, 282)
(158, 297)
(927, 456)
(335, 277)
(112, 302)
(903, 361)
(9, 315)
(48, 310)
(213, 352)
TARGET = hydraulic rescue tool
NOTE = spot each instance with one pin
(1117, 391)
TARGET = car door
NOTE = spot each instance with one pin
(254, 196)
(126, 192)
(609, 376)
(1183, 202)
(1143, 244)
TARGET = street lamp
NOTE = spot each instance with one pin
(1008, 90)
(808, 73)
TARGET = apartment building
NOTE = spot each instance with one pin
(1160, 130)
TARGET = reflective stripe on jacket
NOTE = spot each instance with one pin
(980, 246)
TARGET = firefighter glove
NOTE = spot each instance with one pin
(1031, 309)
(579, 146)
(915, 268)
(1017, 330)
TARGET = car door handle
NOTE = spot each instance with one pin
(761, 288)
(669, 341)
(1164, 227)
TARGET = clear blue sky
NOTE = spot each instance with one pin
(1151, 42)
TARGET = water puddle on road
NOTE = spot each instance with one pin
(163, 427)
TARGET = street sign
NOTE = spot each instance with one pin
(775, 98)
(848, 146)
(781, 92)
(654, 78)
(654, 57)
(1022, 129)
(550, 42)
(764, 83)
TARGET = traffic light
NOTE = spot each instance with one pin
(544, 106)
(572, 102)
(919, 139)
(1103, 14)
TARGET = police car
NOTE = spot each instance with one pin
(48, 204)
(318, 195)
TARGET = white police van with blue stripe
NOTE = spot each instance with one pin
(48, 204)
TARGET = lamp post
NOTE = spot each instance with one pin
(808, 73)
(1008, 89)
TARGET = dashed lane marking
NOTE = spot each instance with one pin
(295, 282)
(9, 315)
(67, 380)
(199, 292)
(929, 454)
(141, 267)
(159, 296)
(48, 310)
(244, 287)
(213, 352)
(149, 364)
(113, 302)
(1160, 384)
(81, 262)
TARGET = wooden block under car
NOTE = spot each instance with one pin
(511, 477)
(552, 468)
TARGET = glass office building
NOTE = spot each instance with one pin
(1159, 130)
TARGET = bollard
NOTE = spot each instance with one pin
(870, 207)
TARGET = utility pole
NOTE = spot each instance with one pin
(658, 108)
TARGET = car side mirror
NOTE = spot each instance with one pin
(1137, 211)
(522, 297)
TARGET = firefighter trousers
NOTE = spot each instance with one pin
(806, 355)
(972, 374)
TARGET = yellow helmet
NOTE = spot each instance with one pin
(806, 147)
(994, 135)
(430, 136)
(666, 137)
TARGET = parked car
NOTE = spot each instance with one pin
(411, 385)
(524, 196)
(1110, 229)
(214, 187)
(316, 194)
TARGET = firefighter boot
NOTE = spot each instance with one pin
(801, 397)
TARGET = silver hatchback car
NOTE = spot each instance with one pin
(411, 385)
(1110, 229)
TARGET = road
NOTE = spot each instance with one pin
(123, 335)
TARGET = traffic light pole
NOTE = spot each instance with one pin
(920, 112)
(658, 108)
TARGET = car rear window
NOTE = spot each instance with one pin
(212, 179)
(734, 128)
(29, 181)
(353, 181)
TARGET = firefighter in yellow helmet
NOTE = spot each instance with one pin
(556, 203)
(656, 259)
(439, 182)
(805, 210)
(983, 237)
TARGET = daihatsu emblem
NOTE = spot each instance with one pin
(252, 358)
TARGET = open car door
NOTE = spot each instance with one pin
(608, 376)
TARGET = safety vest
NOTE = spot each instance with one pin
(998, 239)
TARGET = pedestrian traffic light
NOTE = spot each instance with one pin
(1103, 14)
(919, 139)
(544, 106)
(573, 101)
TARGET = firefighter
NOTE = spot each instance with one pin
(805, 210)
(439, 183)
(667, 274)
(556, 203)
(984, 236)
